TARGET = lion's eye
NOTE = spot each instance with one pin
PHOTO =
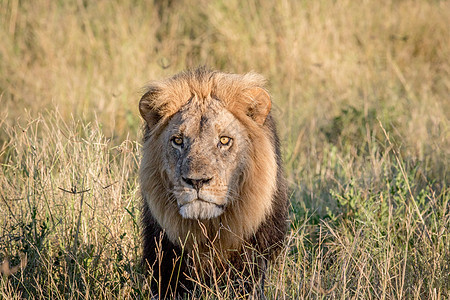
(224, 140)
(178, 141)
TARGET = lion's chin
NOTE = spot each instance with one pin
(199, 209)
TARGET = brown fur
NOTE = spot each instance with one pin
(256, 218)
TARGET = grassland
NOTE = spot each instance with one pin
(361, 91)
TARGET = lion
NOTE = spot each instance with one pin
(211, 178)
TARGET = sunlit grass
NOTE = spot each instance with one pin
(361, 94)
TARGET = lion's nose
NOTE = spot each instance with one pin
(196, 183)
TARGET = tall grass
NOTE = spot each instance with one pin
(360, 90)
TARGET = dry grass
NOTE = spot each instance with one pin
(361, 91)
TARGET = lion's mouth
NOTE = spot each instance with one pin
(200, 209)
(222, 206)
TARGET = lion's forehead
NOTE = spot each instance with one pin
(194, 122)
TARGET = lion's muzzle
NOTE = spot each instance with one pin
(200, 209)
(201, 202)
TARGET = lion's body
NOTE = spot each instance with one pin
(211, 176)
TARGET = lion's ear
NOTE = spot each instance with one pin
(147, 109)
(260, 105)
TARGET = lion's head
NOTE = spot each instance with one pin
(208, 154)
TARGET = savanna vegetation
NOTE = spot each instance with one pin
(361, 92)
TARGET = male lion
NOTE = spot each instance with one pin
(211, 180)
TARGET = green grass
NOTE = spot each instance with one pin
(361, 94)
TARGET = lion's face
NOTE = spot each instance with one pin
(204, 155)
